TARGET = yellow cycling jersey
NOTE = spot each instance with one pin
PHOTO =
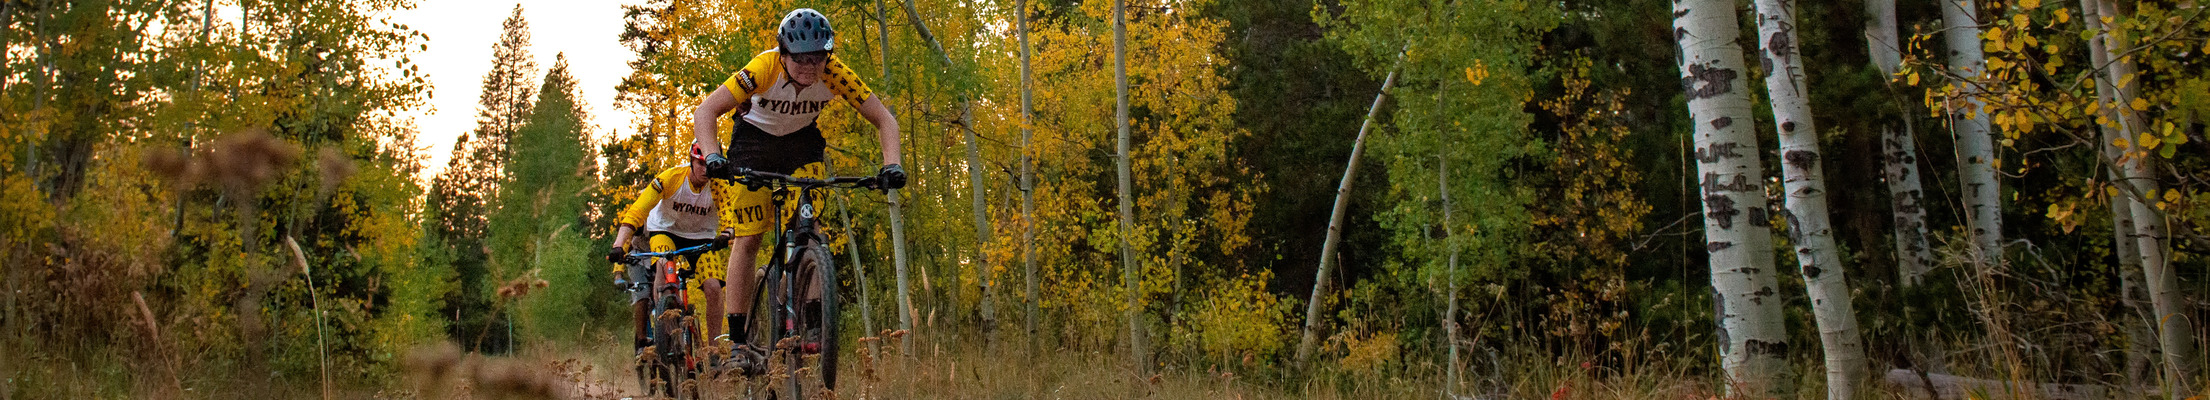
(779, 106)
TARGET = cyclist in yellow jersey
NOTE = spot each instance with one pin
(777, 96)
(678, 209)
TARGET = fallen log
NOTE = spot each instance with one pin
(1944, 386)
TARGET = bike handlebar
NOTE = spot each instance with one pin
(757, 179)
(634, 257)
(699, 249)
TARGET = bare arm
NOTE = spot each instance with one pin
(622, 235)
(704, 121)
(886, 127)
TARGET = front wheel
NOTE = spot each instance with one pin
(817, 352)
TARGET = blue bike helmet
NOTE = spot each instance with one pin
(805, 31)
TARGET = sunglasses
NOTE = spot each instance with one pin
(810, 59)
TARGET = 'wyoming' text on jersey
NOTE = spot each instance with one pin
(693, 209)
(793, 106)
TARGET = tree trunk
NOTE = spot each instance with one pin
(1958, 387)
(975, 176)
(1028, 176)
(976, 180)
(1805, 184)
(1335, 218)
(1129, 279)
(1882, 40)
(1900, 150)
(859, 274)
(2128, 251)
(897, 216)
(2175, 333)
(1914, 258)
(1738, 232)
(1450, 313)
(1975, 143)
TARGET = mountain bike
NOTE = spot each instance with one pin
(798, 269)
(674, 358)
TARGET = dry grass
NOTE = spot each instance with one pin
(954, 367)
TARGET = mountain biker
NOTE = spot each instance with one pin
(783, 91)
(677, 210)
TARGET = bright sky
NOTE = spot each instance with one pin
(461, 33)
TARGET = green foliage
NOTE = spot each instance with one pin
(1465, 77)
(537, 232)
(1238, 319)
(463, 198)
(1559, 125)
(115, 128)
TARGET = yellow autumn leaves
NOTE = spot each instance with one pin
(1478, 72)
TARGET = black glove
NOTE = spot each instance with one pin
(890, 177)
(721, 240)
(744, 177)
(617, 254)
(717, 167)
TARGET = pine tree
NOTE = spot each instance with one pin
(465, 195)
(535, 228)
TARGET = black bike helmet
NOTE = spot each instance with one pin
(805, 31)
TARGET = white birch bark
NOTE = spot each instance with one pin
(976, 179)
(1975, 141)
(1804, 185)
(976, 182)
(2175, 333)
(1450, 313)
(2127, 250)
(1899, 149)
(1882, 40)
(1753, 343)
(1028, 174)
(1335, 218)
(897, 215)
(1914, 258)
(1136, 348)
(859, 273)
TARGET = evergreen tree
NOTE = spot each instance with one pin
(537, 228)
(463, 197)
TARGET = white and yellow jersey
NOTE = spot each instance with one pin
(671, 204)
(779, 106)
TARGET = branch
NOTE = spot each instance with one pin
(923, 29)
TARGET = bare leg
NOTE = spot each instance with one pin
(639, 311)
(743, 276)
(712, 318)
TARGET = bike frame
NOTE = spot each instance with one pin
(793, 237)
(790, 238)
(668, 279)
(667, 291)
